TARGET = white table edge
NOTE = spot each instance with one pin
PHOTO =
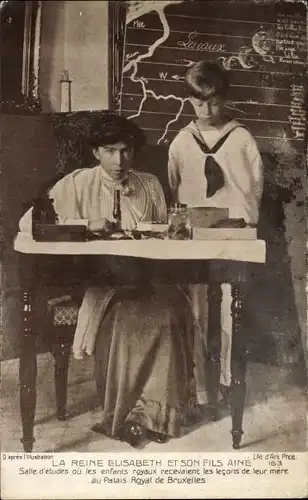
(237, 250)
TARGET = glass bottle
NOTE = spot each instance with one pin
(179, 227)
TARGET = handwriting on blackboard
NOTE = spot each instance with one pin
(194, 43)
(130, 56)
(291, 39)
(297, 116)
(138, 24)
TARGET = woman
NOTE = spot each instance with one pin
(140, 332)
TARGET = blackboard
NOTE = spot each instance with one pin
(262, 44)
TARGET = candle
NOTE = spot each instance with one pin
(65, 92)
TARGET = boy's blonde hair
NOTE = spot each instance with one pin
(206, 79)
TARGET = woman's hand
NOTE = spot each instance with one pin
(100, 225)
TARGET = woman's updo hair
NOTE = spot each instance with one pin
(204, 80)
(109, 129)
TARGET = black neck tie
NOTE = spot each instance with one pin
(212, 170)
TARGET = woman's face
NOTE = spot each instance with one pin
(209, 111)
(116, 159)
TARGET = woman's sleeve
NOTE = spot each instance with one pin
(65, 199)
(65, 204)
(25, 223)
(173, 172)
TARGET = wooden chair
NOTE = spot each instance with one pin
(71, 131)
(63, 317)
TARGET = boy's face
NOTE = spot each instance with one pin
(210, 110)
(116, 159)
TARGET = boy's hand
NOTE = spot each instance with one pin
(100, 225)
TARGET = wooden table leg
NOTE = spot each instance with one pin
(213, 366)
(27, 375)
(61, 353)
(238, 365)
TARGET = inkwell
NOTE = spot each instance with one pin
(43, 212)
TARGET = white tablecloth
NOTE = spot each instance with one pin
(238, 250)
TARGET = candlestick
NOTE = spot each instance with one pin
(117, 209)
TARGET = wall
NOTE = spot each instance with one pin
(74, 37)
(52, 54)
(296, 235)
(26, 163)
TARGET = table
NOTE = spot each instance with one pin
(227, 261)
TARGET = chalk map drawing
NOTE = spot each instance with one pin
(262, 45)
(137, 9)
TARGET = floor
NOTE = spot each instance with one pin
(274, 418)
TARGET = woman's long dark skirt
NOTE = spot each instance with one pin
(143, 358)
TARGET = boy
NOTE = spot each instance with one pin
(214, 162)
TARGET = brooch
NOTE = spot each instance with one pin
(125, 189)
